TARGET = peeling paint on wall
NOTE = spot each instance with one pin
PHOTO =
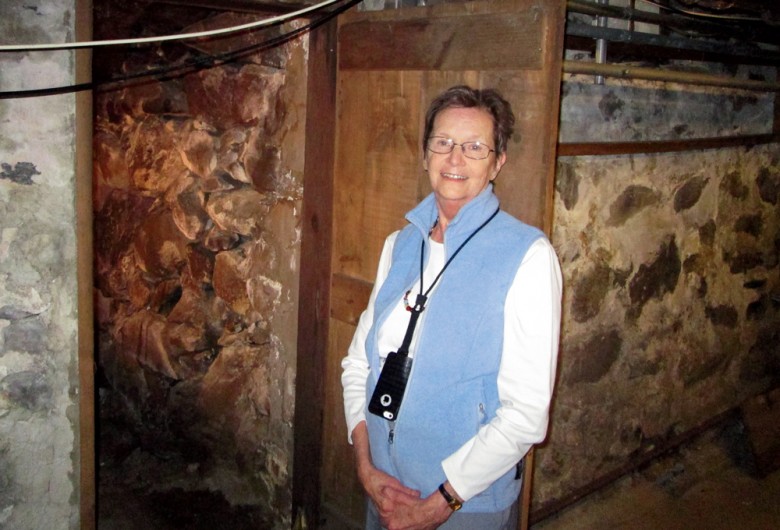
(20, 173)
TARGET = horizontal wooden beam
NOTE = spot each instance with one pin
(663, 146)
(477, 42)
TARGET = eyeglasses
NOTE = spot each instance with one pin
(444, 146)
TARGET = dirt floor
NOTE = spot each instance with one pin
(143, 490)
(710, 484)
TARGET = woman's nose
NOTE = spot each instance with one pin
(456, 155)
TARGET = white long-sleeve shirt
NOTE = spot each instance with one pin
(526, 374)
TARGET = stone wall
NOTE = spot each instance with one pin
(198, 189)
(39, 384)
(670, 263)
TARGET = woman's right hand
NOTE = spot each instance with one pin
(377, 483)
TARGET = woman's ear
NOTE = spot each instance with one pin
(500, 161)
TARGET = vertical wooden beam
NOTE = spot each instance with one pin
(85, 281)
(316, 242)
(553, 60)
(526, 488)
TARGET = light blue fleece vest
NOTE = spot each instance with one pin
(452, 390)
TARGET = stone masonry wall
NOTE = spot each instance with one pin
(670, 263)
(198, 189)
(39, 453)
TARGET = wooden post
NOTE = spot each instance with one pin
(525, 490)
(84, 251)
(314, 303)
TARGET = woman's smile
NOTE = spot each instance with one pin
(453, 176)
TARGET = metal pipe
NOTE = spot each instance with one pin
(680, 22)
(672, 76)
(631, 465)
(601, 44)
(735, 49)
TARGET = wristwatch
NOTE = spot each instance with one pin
(453, 503)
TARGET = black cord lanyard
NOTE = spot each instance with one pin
(422, 298)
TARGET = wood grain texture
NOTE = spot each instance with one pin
(349, 297)
(314, 303)
(663, 146)
(477, 42)
(377, 166)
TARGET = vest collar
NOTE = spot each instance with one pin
(471, 215)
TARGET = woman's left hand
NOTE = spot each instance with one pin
(417, 514)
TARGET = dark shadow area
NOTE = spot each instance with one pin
(142, 488)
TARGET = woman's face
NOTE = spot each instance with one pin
(456, 179)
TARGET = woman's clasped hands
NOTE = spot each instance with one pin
(400, 507)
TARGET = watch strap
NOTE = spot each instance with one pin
(452, 502)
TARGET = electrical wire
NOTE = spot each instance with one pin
(165, 73)
(210, 61)
(674, 6)
(165, 38)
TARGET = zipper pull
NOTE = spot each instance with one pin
(391, 436)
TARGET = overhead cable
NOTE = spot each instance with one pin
(164, 38)
(163, 73)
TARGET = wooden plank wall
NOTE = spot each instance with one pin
(391, 64)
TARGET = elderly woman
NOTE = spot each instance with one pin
(461, 330)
